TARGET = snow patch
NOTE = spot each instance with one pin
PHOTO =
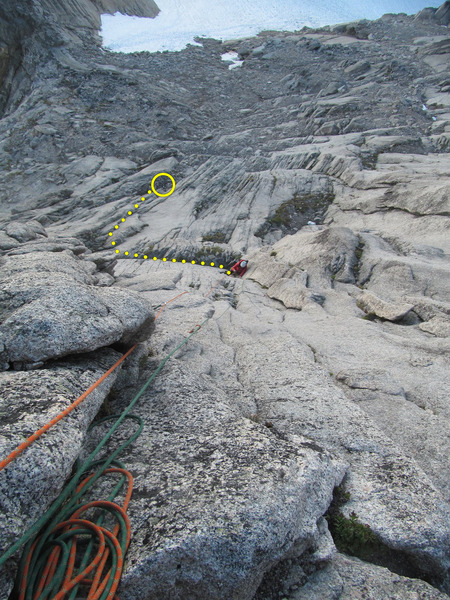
(233, 58)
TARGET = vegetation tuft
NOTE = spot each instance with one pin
(205, 252)
(349, 534)
(219, 237)
(216, 254)
(358, 253)
(203, 204)
(355, 538)
(369, 160)
(293, 214)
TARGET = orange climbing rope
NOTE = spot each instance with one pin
(24, 445)
(49, 562)
(168, 302)
(214, 287)
(74, 528)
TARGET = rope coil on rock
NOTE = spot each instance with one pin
(50, 562)
(66, 544)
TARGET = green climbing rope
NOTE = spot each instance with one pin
(69, 501)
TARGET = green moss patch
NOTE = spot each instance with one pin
(350, 535)
(358, 253)
(295, 213)
(356, 538)
(219, 237)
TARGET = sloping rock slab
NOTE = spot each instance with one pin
(50, 244)
(388, 490)
(322, 256)
(7, 242)
(219, 499)
(438, 326)
(47, 262)
(348, 578)
(267, 270)
(391, 311)
(427, 308)
(293, 294)
(24, 232)
(327, 255)
(375, 380)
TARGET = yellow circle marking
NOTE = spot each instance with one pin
(153, 185)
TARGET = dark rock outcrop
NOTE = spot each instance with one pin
(31, 29)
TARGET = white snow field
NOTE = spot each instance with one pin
(180, 21)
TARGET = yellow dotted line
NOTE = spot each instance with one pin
(152, 186)
(193, 262)
(174, 260)
(130, 212)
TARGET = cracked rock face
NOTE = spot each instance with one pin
(397, 489)
(372, 305)
(323, 160)
(50, 308)
(350, 579)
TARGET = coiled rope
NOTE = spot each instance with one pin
(67, 544)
